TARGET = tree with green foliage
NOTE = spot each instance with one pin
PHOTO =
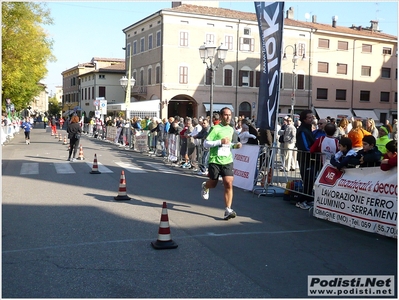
(26, 49)
(53, 107)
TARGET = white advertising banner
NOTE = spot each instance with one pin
(363, 198)
(172, 147)
(245, 160)
(141, 142)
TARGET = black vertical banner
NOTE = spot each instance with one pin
(270, 17)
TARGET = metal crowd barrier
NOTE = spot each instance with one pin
(272, 171)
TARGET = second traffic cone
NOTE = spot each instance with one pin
(164, 240)
(65, 141)
(94, 169)
(60, 137)
(122, 189)
(81, 157)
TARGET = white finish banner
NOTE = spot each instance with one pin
(244, 164)
(363, 198)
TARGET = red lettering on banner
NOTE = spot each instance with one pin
(386, 188)
(241, 157)
(241, 173)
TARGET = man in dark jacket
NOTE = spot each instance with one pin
(306, 161)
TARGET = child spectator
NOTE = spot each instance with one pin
(369, 156)
(342, 158)
(244, 134)
(328, 144)
(383, 138)
(390, 159)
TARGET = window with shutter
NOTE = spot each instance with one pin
(366, 48)
(101, 91)
(228, 77)
(386, 73)
(322, 67)
(366, 71)
(322, 94)
(251, 78)
(324, 43)
(141, 77)
(342, 69)
(384, 97)
(183, 75)
(158, 74)
(240, 78)
(365, 96)
(342, 45)
(386, 50)
(300, 84)
(228, 42)
(340, 94)
(149, 76)
(183, 39)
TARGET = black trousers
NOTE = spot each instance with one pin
(73, 146)
(307, 169)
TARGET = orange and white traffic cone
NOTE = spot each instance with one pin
(56, 136)
(164, 240)
(81, 157)
(60, 137)
(122, 189)
(65, 141)
(94, 169)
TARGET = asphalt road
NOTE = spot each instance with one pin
(64, 235)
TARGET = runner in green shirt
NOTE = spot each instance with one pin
(221, 160)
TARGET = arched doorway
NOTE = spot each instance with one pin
(183, 106)
(245, 109)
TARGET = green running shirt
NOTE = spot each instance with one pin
(220, 155)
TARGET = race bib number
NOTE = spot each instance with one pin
(224, 150)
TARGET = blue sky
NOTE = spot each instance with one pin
(83, 30)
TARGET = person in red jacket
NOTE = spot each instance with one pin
(390, 159)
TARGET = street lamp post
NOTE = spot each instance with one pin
(207, 54)
(127, 84)
(294, 61)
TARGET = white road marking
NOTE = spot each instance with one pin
(101, 167)
(161, 168)
(29, 169)
(132, 168)
(64, 168)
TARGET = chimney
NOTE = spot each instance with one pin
(176, 4)
(290, 13)
(334, 21)
(314, 19)
(374, 25)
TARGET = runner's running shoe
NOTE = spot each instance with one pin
(204, 191)
(229, 214)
